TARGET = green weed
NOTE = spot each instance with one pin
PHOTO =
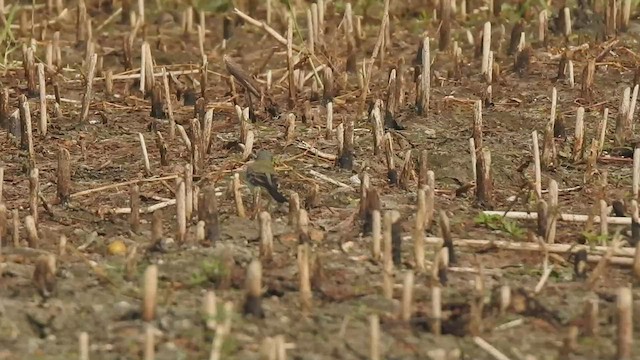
(209, 271)
(501, 224)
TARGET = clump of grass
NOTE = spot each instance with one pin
(500, 224)
(213, 270)
(593, 238)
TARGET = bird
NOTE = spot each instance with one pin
(261, 173)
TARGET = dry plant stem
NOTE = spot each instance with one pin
(567, 21)
(623, 252)
(376, 235)
(310, 33)
(623, 126)
(134, 203)
(425, 78)
(266, 236)
(162, 149)
(145, 155)
(636, 261)
(210, 310)
(329, 123)
(34, 191)
(572, 82)
(149, 299)
(181, 215)
(26, 140)
(64, 175)
(149, 78)
(390, 156)
(604, 225)
(445, 27)
(624, 308)
(200, 231)
(445, 230)
(303, 272)
(125, 183)
(365, 187)
(431, 198)
(436, 310)
(290, 132)
(294, 208)
(268, 349)
(3, 224)
(290, 63)
(108, 82)
(537, 166)
(635, 182)
(418, 232)
(32, 232)
(477, 126)
(88, 94)
(141, 11)
(563, 217)
(330, 180)
(495, 353)
(156, 227)
(602, 265)
(279, 38)
(44, 277)
(149, 343)
(188, 184)
(486, 47)
(553, 212)
(30, 69)
(43, 100)
(406, 172)
(578, 145)
(484, 182)
(387, 259)
(253, 287)
(378, 130)
(626, 12)
(374, 55)
(632, 105)
(237, 196)
(423, 168)
(15, 217)
(248, 145)
(407, 297)
(167, 96)
(505, 298)
(143, 66)
(548, 159)
(185, 138)
(374, 333)
(303, 225)
(83, 345)
(591, 313)
(474, 158)
(588, 75)
(543, 279)
(4, 108)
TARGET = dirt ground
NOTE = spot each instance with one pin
(99, 292)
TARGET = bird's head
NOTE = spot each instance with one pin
(264, 155)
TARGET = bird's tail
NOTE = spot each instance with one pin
(276, 195)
